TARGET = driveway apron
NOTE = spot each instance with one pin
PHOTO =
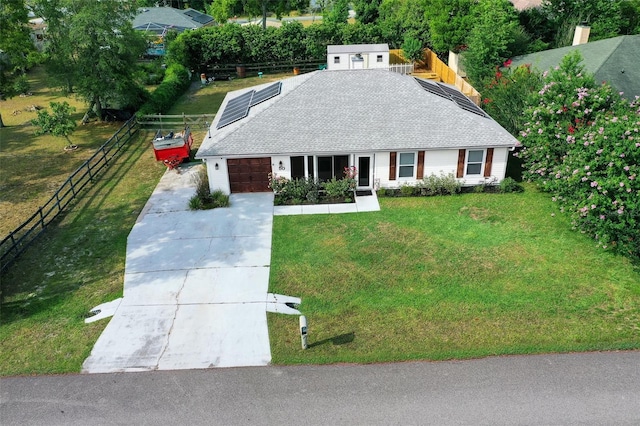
(195, 285)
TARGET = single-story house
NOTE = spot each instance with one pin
(614, 60)
(395, 129)
(357, 56)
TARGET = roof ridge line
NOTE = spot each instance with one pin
(606, 58)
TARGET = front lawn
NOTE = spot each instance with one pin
(448, 277)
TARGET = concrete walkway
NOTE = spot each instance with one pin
(196, 283)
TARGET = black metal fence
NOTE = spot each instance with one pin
(229, 70)
(19, 239)
(160, 121)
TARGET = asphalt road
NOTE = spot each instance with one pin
(591, 388)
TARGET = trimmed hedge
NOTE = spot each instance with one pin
(176, 81)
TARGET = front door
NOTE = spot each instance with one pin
(364, 172)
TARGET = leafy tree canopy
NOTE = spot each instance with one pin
(450, 22)
(403, 18)
(366, 10)
(496, 24)
(603, 16)
(16, 48)
(92, 49)
(336, 11)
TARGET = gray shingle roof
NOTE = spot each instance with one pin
(150, 17)
(614, 60)
(357, 48)
(351, 111)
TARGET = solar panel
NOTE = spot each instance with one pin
(432, 88)
(236, 109)
(462, 101)
(266, 93)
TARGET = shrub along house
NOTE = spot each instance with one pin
(394, 128)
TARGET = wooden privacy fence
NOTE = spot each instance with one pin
(431, 63)
(172, 122)
(449, 76)
(19, 239)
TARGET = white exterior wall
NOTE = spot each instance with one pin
(381, 170)
(346, 63)
(499, 166)
(286, 163)
(439, 162)
(373, 60)
(218, 179)
(436, 162)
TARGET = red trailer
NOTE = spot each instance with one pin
(173, 148)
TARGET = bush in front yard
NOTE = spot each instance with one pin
(444, 184)
(338, 188)
(204, 199)
(510, 185)
(582, 145)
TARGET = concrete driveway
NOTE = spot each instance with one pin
(195, 286)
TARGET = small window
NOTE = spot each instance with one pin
(379, 58)
(406, 164)
(474, 162)
(336, 59)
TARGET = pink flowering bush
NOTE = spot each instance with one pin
(582, 144)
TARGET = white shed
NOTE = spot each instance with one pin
(357, 56)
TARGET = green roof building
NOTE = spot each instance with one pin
(614, 60)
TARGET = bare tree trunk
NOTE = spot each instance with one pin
(85, 118)
(1, 122)
(96, 100)
(264, 14)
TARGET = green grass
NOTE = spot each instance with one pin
(77, 264)
(207, 99)
(34, 167)
(425, 278)
(448, 277)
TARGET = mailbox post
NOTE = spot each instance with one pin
(303, 331)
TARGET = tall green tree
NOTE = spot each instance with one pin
(93, 50)
(367, 11)
(449, 22)
(496, 23)
(336, 11)
(603, 16)
(16, 47)
(630, 17)
(403, 18)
